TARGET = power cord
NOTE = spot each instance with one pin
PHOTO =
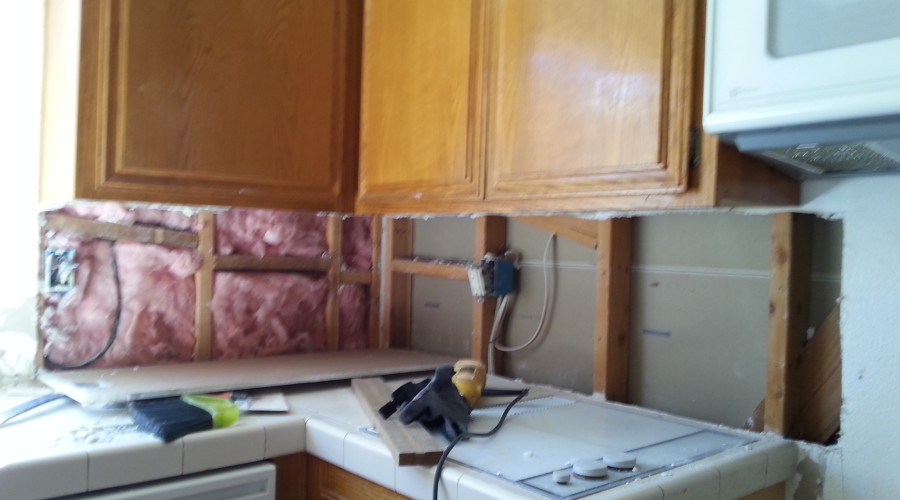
(115, 326)
(503, 305)
(467, 435)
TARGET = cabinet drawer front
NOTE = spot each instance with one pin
(420, 94)
(589, 97)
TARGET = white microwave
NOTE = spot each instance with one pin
(810, 85)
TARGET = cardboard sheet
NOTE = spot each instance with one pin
(107, 387)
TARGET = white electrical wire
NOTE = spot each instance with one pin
(502, 310)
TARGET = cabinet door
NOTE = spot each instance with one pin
(232, 102)
(588, 97)
(420, 102)
(330, 482)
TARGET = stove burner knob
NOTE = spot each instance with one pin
(620, 460)
(590, 468)
(561, 476)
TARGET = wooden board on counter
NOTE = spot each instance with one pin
(409, 444)
(106, 387)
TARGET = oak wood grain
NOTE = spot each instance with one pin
(578, 98)
(420, 97)
(330, 482)
(220, 102)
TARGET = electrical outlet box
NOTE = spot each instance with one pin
(59, 269)
(493, 276)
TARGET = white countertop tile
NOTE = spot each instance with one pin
(65, 449)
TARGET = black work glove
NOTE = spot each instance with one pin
(439, 405)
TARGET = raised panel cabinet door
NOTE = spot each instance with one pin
(588, 97)
(420, 102)
(233, 102)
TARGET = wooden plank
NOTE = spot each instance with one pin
(334, 236)
(819, 383)
(395, 328)
(613, 326)
(490, 236)
(100, 387)
(271, 263)
(374, 339)
(433, 268)
(203, 283)
(356, 277)
(818, 386)
(581, 231)
(121, 232)
(409, 444)
(788, 317)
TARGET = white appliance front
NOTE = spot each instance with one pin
(780, 63)
(245, 482)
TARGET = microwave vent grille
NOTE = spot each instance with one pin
(853, 158)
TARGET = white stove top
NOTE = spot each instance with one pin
(549, 434)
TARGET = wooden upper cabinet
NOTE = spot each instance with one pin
(227, 102)
(543, 105)
(420, 101)
(583, 97)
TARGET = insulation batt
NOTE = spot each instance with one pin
(270, 233)
(356, 243)
(353, 304)
(267, 314)
(120, 214)
(157, 313)
(254, 314)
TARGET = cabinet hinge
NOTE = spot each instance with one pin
(694, 149)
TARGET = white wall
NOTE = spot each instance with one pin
(21, 57)
(869, 447)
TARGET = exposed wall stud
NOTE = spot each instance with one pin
(396, 287)
(334, 237)
(490, 236)
(613, 324)
(788, 316)
(203, 280)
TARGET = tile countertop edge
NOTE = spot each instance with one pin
(326, 421)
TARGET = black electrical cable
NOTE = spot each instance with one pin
(115, 326)
(467, 435)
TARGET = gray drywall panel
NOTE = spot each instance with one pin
(720, 241)
(564, 354)
(698, 345)
(451, 238)
(532, 241)
(441, 316)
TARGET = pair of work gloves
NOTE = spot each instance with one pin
(435, 402)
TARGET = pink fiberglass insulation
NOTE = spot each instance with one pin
(156, 322)
(353, 302)
(267, 314)
(118, 213)
(270, 233)
(356, 243)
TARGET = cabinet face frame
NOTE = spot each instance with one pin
(667, 173)
(450, 164)
(102, 173)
